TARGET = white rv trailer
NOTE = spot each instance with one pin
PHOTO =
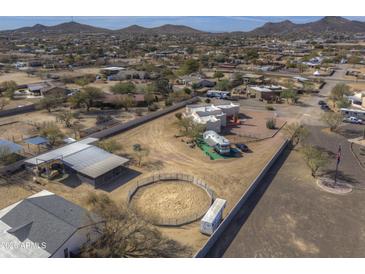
(213, 217)
(218, 94)
(351, 112)
(220, 144)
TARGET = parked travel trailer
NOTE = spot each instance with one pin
(349, 112)
(218, 94)
(220, 144)
(213, 217)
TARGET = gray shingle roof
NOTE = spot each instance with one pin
(48, 219)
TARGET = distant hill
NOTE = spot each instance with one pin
(281, 28)
(164, 29)
(73, 27)
(133, 29)
(326, 24)
(64, 28)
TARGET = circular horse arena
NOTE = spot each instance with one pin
(171, 202)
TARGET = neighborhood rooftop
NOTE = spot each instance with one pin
(43, 219)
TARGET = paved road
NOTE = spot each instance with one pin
(290, 216)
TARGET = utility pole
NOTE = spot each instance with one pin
(338, 161)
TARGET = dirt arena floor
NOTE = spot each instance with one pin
(170, 200)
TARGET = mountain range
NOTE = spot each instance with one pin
(326, 24)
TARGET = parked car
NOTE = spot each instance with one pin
(353, 120)
(325, 107)
(242, 147)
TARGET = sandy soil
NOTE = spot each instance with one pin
(229, 178)
(253, 127)
(170, 200)
(19, 77)
(10, 194)
(357, 86)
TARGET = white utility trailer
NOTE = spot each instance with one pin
(213, 217)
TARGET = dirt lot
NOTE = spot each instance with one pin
(253, 127)
(19, 77)
(360, 86)
(229, 178)
(170, 200)
(22, 123)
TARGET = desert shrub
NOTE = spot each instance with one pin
(103, 118)
(139, 111)
(153, 107)
(271, 123)
(168, 102)
(178, 115)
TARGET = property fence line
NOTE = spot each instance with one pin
(12, 167)
(139, 121)
(240, 204)
(170, 177)
(101, 134)
(18, 110)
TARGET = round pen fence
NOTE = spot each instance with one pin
(178, 177)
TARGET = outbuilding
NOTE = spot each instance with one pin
(90, 163)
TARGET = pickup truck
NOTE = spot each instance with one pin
(353, 120)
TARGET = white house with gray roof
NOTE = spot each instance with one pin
(214, 117)
(45, 225)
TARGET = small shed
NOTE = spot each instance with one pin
(36, 141)
(213, 217)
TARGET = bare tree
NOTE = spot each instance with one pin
(189, 128)
(110, 145)
(140, 153)
(296, 132)
(3, 102)
(332, 119)
(52, 133)
(66, 116)
(49, 103)
(315, 158)
(76, 128)
(9, 88)
(127, 235)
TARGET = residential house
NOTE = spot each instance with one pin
(268, 92)
(45, 225)
(214, 117)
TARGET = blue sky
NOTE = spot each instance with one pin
(206, 23)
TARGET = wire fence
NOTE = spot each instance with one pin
(160, 221)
